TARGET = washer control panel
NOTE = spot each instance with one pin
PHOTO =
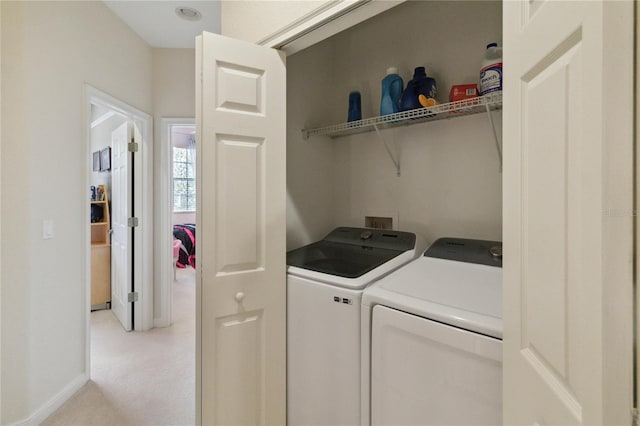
(375, 238)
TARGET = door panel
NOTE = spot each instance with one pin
(549, 110)
(241, 233)
(557, 241)
(240, 381)
(239, 193)
(240, 88)
(121, 254)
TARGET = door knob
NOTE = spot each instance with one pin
(239, 297)
(496, 251)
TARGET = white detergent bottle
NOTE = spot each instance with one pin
(491, 71)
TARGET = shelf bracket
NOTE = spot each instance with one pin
(495, 135)
(395, 161)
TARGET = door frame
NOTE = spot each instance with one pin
(324, 22)
(164, 235)
(143, 203)
(635, 213)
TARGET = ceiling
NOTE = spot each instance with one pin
(157, 23)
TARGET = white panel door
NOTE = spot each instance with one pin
(121, 254)
(567, 271)
(241, 282)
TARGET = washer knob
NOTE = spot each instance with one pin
(496, 251)
(365, 235)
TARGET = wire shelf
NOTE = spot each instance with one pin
(415, 116)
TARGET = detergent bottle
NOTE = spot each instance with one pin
(491, 71)
(419, 85)
(392, 86)
(355, 107)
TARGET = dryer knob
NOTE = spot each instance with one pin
(365, 235)
(496, 251)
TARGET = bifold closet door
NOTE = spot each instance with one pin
(241, 187)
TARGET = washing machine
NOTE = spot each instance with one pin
(325, 281)
(432, 339)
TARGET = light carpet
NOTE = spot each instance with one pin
(139, 378)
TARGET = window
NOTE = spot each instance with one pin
(184, 180)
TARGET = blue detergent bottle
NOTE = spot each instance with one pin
(419, 85)
(392, 86)
(355, 107)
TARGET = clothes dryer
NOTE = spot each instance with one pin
(432, 339)
(324, 290)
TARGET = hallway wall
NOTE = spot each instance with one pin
(49, 50)
(174, 87)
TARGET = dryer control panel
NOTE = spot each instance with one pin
(483, 252)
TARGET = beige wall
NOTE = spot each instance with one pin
(173, 97)
(49, 50)
(174, 83)
(450, 183)
(182, 218)
(265, 16)
(310, 164)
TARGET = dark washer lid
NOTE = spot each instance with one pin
(464, 250)
(351, 252)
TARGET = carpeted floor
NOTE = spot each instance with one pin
(139, 378)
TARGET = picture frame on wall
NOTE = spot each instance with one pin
(105, 159)
(96, 161)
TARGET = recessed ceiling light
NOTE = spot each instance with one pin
(188, 13)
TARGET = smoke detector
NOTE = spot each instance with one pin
(188, 13)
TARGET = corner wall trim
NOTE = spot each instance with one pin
(50, 406)
(161, 322)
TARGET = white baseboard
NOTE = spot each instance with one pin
(50, 406)
(161, 322)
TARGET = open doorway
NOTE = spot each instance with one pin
(118, 146)
(176, 231)
(105, 122)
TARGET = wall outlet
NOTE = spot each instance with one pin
(378, 222)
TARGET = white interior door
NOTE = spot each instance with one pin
(241, 282)
(140, 194)
(568, 246)
(121, 237)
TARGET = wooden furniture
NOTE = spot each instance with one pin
(101, 256)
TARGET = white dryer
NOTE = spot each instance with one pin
(325, 281)
(432, 339)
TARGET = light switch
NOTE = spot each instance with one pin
(47, 229)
